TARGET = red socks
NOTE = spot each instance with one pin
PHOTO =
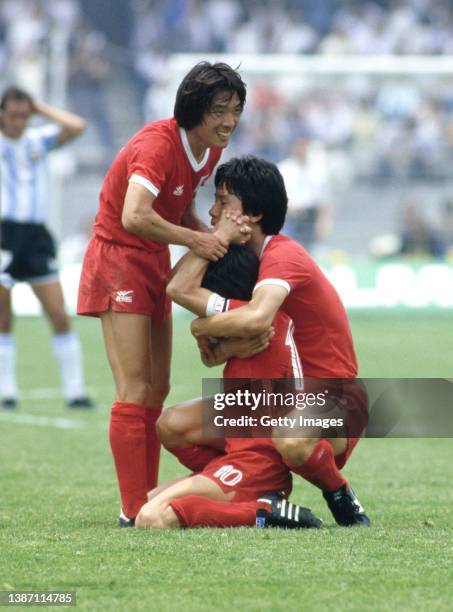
(135, 449)
(320, 468)
(195, 457)
(152, 447)
(197, 511)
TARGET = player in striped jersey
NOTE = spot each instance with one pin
(27, 248)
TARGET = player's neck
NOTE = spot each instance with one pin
(256, 241)
(197, 147)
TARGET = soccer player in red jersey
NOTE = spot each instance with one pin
(290, 280)
(146, 203)
(249, 475)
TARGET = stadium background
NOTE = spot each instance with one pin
(380, 131)
(383, 129)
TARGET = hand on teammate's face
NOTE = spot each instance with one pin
(233, 226)
(210, 246)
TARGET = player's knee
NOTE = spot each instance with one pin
(166, 428)
(135, 391)
(295, 451)
(59, 320)
(156, 517)
(147, 518)
(61, 327)
(159, 393)
(61, 324)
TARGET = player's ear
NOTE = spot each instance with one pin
(255, 218)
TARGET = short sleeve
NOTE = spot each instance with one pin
(285, 272)
(149, 161)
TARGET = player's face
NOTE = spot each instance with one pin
(219, 122)
(224, 201)
(15, 117)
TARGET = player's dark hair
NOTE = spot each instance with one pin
(260, 187)
(199, 87)
(233, 276)
(16, 94)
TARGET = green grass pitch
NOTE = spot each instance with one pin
(59, 502)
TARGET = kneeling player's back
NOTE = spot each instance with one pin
(322, 333)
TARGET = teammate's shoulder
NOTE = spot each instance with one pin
(280, 243)
(156, 136)
(164, 129)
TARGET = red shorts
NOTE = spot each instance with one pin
(250, 474)
(124, 279)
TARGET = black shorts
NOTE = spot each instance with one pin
(28, 252)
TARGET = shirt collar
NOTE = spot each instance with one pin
(197, 166)
(267, 239)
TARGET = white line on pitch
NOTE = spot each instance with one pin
(55, 392)
(30, 419)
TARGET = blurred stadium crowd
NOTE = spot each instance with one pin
(368, 129)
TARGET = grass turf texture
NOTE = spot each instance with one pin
(59, 503)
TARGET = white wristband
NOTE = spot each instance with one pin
(216, 305)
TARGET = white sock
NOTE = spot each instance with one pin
(69, 357)
(8, 383)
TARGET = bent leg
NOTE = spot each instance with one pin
(298, 450)
(154, 512)
(180, 429)
(314, 459)
(196, 511)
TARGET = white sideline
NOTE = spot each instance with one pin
(56, 393)
(30, 419)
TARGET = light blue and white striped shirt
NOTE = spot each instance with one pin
(25, 176)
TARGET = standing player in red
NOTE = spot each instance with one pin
(289, 280)
(248, 479)
(146, 203)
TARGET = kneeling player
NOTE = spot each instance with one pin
(289, 280)
(232, 489)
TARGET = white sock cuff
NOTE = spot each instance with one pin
(68, 352)
(64, 339)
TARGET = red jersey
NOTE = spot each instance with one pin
(322, 333)
(279, 360)
(159, 158)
